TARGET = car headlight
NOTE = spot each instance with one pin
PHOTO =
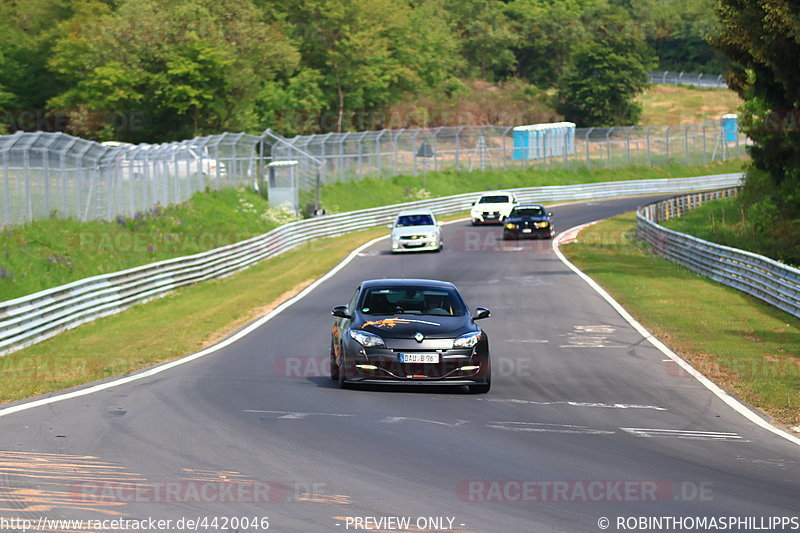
(469, 340)
(542, 224)
(368, 340)
(511, 226)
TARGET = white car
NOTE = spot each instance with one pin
(416, 230)
(492, 208)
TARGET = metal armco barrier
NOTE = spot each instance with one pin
(766, 279)
(31, 319)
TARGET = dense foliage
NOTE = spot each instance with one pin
(762, 39)
(148, 70)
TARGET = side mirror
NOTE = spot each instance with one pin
(481, 312)
(390, 226)
(439, 223)
(549, 214)
(340, 311)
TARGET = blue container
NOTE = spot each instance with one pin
(730, 127)
(521, 150)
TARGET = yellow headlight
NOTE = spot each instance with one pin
(511, 226)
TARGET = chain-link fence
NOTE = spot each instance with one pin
(386, 153)
(666, 77)
(54, 174)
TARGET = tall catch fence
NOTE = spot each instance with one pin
(666, 77)
(54, 174)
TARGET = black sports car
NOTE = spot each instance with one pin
(529, 221)
(409, 331)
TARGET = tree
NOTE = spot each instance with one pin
(184, 68)
(544, 35)
(369, 52)
(605, 74)
(762, 40)
(485, 36)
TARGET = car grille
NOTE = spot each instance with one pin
(412, 237)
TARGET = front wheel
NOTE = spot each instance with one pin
(334, 366)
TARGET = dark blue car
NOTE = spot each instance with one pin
(529, 221)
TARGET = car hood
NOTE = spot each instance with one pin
(414, 230)
(406, 326)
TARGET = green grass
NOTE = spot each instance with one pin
(115, 345)
(51, 252)
(727, 222)
(373, 192)
(754, 348)
(664, 105)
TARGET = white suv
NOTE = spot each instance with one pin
(416, 230)
(492, 207)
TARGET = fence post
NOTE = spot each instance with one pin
(686, 143)
(649, 156)
(608, 147)
(667, 142)
(628, 131)
(586, 141)
(378, 150)
(458, 144)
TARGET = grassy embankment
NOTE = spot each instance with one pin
(727, 222)
(743, 345)
(372, 192)
(664, 105)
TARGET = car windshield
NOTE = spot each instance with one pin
(432, 301)
(414, 220)
(528, 212)
(494, 200)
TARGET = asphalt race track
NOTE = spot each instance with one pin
(585, 421)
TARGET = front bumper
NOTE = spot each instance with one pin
(456, 366)
(494, 217)
(414, 245)
(534, 233)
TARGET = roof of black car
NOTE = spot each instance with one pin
(523, 206)
(406, 283)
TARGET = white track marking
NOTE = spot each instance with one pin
(290, 415)
(537, 427)
(577, 404)
(396, 419)
(684, 434)
(710, 385)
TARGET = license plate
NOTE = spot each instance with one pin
(419, 358)
(527, 230)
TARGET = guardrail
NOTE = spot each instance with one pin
(766, 279)
(31, 319)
